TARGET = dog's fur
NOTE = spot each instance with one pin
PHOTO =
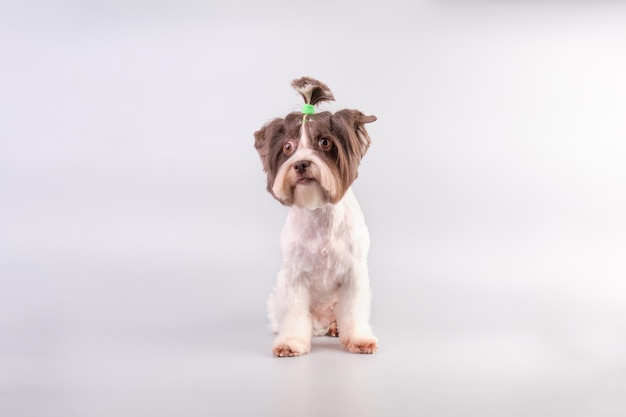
(323, 286)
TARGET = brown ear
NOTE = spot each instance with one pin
(263, 138)
(350, 124)
(259, 140)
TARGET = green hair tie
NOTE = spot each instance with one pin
(308, 109)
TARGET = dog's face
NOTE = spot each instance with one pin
(312, 161)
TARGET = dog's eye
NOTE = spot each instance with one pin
(325, 144)
(288, 148)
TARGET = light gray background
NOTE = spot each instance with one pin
(138, 243)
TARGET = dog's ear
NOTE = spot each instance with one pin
(350, 125)
(263, 139)
(260, 140)
(263, 136)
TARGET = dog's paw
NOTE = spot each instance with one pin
(333, 331)
(368, 345)
(289, 349)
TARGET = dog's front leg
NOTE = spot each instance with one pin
(294, 327)
(353, 313)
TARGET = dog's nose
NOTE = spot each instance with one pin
(301, 166)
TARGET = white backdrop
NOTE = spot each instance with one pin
(138, 243)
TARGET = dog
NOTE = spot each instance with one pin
(311, 160)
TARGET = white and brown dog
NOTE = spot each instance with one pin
(323, 287)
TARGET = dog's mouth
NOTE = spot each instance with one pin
(305, 181)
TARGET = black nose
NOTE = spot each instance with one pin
(301, 166)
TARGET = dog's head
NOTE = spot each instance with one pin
(311, 159)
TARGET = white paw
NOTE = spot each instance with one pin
(360, 345)
(290, 347)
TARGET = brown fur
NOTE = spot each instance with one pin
(312, 91)
(345, 129)
(333, 331)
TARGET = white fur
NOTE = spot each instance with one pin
(324, 275)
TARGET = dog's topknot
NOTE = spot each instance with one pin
(312, 91)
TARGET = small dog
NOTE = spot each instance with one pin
(323, 286)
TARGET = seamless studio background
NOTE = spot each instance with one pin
(138, 244)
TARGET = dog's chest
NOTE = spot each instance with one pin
(320, 247)
(327, 254)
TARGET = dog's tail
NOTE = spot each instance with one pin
(312, 91)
